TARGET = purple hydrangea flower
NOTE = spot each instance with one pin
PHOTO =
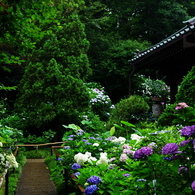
(94, 179)
(193, 185)
(188, 131)
(70, 139)
(193, 144)
(185, 142)
(126, 174)
(89, 190)
(170, 148)
(143, 152)
(76, 166)
(182, 170)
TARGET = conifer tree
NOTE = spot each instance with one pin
(52, 88)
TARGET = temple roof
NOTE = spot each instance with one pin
(176, 44)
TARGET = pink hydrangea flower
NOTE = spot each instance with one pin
(181, 105)
(123, 157)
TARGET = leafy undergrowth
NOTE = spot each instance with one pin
(58, 176)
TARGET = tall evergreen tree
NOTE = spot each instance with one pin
(52, 89)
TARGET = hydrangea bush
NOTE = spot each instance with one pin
(8, 137)
(149, 164)
(100, 102)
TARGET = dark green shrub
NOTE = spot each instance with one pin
(127, 109)
(187, 90)
(167, 116)
(91, 122)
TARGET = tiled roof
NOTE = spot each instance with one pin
(174, 37)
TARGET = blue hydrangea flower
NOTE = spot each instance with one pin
(188, 131)
(170, 148)
(76, 166)
(67, 147)
(89, 190)
(88, 143)
(77, 174)
(80, 132)
(168, 158)
(59, 159)
(143, 152)
(72, 136)
(110, 138)
(141, 179)
(94, 179)
(92, 138)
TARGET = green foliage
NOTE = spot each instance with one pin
(9, 136)
(58, 175)
(47, 137)
(168, 115)
(186, 89)
(36, 154)
(126, 108)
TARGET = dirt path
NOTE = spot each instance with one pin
(35, 179)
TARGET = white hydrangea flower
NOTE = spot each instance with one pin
(91, 159)
(88, 154)
(81, 158)
(2, 158)
(103, 154)
(1, 144)
(136, 137)
(103, 159)
(12, 160)
(120, 140)
(96, 144)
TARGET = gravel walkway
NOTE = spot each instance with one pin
(35, 179)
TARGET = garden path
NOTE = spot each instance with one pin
(35, 179)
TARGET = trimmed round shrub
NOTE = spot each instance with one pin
(186, 91)
(127, 109)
